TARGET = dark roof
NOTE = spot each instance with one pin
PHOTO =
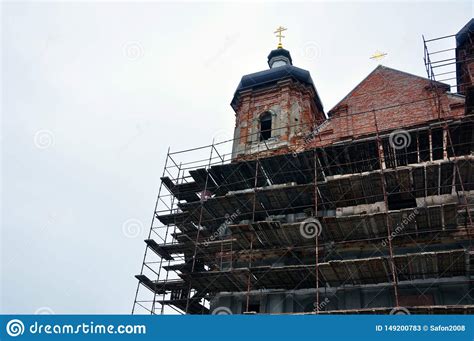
(280, 52)
(463, 34)
(270, 77)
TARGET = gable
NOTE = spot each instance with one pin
(382, 88)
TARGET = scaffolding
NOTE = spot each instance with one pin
(359, 213)
(217, 220)
(441, 61)
(446, 61)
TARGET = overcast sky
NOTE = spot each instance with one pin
(94, 93)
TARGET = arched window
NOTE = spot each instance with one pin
(265, 126)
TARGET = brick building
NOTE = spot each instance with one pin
(365, 209)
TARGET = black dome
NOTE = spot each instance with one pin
(279, 52)
(271, 77)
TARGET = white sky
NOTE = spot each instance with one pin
(112, 85)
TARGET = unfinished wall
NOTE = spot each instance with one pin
(398, 99)
(414, 293)
(293, 115)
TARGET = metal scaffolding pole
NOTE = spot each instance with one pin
(387, 216)
(202, 200)
(151, 229)
(317, 231)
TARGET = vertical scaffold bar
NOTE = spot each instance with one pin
(151, 228)
(202, 200)
(318, 231)
(161, 258)
(387, 216)
(255, 184)
(166, 238)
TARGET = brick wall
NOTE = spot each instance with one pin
(294, 115)
(393, 99)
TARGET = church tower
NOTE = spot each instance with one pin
(275, 109)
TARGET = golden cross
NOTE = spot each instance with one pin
(278, 32)
(378, 55)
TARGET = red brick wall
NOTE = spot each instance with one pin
(392, 99)
(297, 117)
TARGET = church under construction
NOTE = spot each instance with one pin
(364, 209)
